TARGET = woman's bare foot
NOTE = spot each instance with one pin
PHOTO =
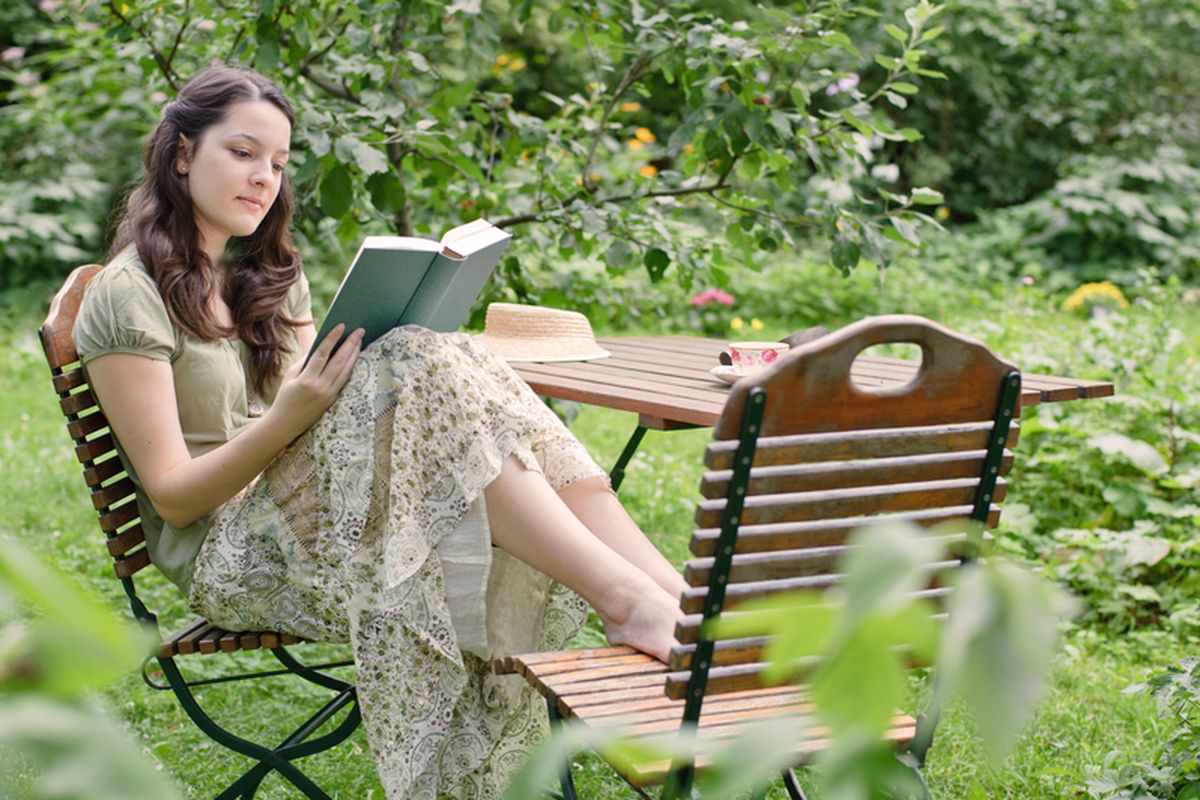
(643, 617)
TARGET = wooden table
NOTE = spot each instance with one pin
(665, 380)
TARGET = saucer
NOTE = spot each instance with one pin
(725, 373)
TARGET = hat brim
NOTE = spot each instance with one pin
(531, 350)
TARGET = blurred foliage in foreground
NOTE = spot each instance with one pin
(56, 645)
(862, 635)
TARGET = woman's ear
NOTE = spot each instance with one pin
(183, 155)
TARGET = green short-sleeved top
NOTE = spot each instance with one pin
(123, 312)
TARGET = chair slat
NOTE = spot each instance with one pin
(68, 379)
(105, 470)
(859, 501)
(80, 401)
(692, 601)
(183, 641)
(113, 519)
(843, 474)
(859, 444)
(91, 450)
(85, 426)
(125, 541)
(825, 533)
(131, 564)
(107, 496)
(687, 630)
(786, 563)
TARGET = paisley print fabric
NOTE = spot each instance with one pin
(354, 532)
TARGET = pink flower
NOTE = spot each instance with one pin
(12, 53)
(49, 6)
(206, 25)
(1027, 280)
(843, 84)
(712, 296)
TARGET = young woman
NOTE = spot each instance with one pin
(357, 498)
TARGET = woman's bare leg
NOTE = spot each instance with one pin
(530, 521)
(597, 507)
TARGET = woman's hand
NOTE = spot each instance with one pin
(305, 394)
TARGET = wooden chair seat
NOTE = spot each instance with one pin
(201, 636)
(622, 688)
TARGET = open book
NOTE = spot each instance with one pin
(404, 280)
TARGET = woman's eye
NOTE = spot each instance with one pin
(241, 153)
(277, 167)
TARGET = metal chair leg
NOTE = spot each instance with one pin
(792, 784)
(565, 778)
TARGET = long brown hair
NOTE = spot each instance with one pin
(160, 221)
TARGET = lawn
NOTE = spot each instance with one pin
(1086, 718)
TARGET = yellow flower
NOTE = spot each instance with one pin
(501, 60)
(736, 323)
(725, 86)
(1091, 296)
(644, 134)
(687, 148)
(629, 108)
(841, 226)
(756, 324)
(636, 144)
(943, 213)
(648, 171)
(517, 64)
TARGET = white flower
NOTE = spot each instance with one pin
(889, 173)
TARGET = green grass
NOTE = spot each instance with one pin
(1083, 719)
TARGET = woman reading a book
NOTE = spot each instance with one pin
(357, 497)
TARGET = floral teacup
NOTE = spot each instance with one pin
(750, 357)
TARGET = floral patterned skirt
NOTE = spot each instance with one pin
(370, 528)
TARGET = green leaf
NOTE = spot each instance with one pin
(904, 88)
(1001, 631)
(896, 33)
(617, 255)
(369, 159)
(75, 752)
(887, 62)
(336, 192)
(845, 254)
(857, 123)
(656, 260)
(932, 34)
(896, 100)
(1136, 452)
(387, 192)
(906, 230)
(927, 197)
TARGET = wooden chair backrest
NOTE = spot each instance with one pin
(831, 457)
(113, 494)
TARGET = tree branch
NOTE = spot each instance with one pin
(164, 65)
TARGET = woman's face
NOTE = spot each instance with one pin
(233, 173)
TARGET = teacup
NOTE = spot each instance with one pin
(748, 357)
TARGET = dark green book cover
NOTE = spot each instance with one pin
(403, 280)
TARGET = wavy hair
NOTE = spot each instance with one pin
(160, 221)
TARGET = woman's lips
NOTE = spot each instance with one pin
(252, 204)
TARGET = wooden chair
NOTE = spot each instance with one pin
(801, 457)
(113, 498)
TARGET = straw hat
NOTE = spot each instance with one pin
(535, 333)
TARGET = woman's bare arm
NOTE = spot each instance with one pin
(138, 397)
